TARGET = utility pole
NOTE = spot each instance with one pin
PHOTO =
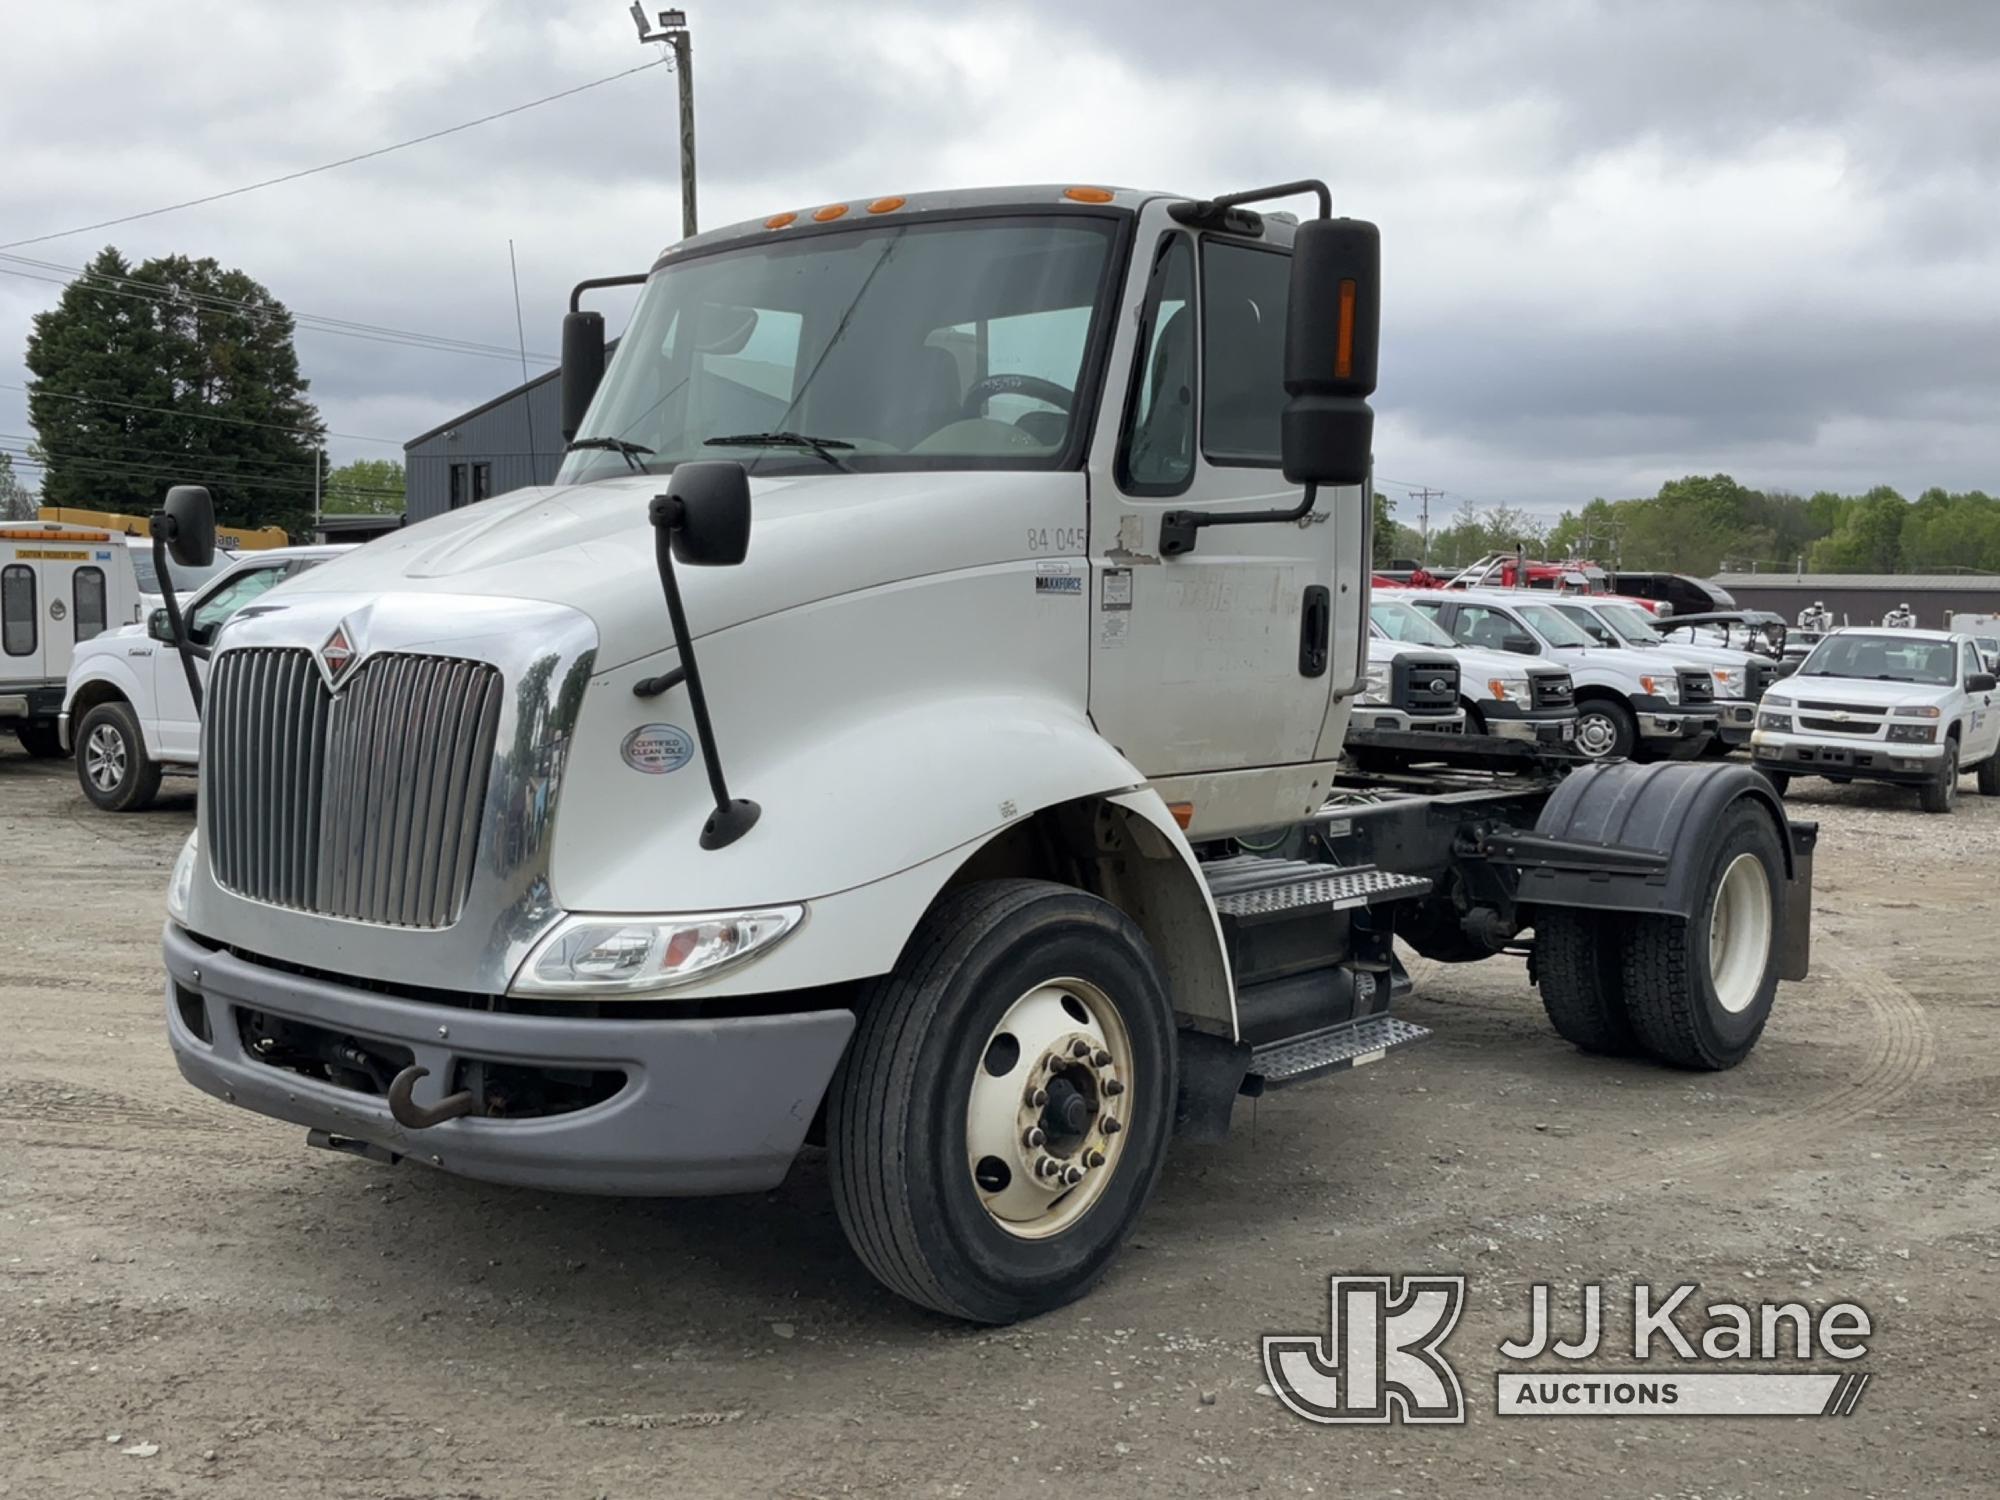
(1424, 497)
(673, 30)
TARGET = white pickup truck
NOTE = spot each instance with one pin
(1908, 707)
(127, 712)
(1507, 696)
(1740, 676)
(1629, 704)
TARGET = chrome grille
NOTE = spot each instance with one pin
(366, 805)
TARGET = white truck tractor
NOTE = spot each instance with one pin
(1629, 704)
(1511, 697)
(1740, 676)
(1908, 707)
(867, 741)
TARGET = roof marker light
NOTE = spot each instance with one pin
(779, 221)
(1088, 194)
(887, 205)
(828, 214)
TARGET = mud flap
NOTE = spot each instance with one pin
(1795, 937)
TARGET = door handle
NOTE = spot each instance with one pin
(1315, 624)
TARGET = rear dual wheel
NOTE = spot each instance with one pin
(1002, 1114)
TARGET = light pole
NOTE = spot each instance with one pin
(673, 30)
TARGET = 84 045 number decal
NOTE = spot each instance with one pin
(1067, 539)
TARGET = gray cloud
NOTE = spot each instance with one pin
(1623, 240)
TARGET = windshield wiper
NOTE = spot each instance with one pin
(824, 447)
(628, 451)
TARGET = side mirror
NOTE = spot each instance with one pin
(190, 526)
(582, 367)
(713, 496)
(160, 628)
(1332, 336)
(1790, 665)
(1981, 682)
(1520, 644)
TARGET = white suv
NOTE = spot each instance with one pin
(127, 711)
(1909, 707)
(1629, 704)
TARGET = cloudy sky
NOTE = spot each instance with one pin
(1622, 242)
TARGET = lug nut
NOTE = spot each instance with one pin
(1038, 1097)
(1113, 1087)
(1080, 1048)
(1073, 1175)
(1109, 1125)
(1036, 1137)
(1093, 1159)
(1101, 1058)
(1046, 1167)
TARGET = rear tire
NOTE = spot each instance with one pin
(1699, 992)
(929, 1079)
(1580, 973)
(1940, 795)
(1605, 730)
(1989, 775)
(40, 740)
(112, 765)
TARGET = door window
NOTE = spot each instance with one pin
(458, 485)
(87, 602)
(1588, 622)
(1489, 629)
(1971, 660)
(482, 481)
(1157, 456)
(17, 609)
(1244, 294)
(243, 586)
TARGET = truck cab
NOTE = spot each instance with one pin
(908, 722)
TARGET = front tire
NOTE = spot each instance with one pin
(1001, 1116)
(1605, 730)
(112, 765)
(40, 740)
(1940, 795)
(1699, 992)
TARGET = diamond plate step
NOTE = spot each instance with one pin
(1250, 889)
(1351, 1045)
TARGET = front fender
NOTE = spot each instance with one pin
(98, 677)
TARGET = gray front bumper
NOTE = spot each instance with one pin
(710, 1105)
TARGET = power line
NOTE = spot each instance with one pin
(199, 416)
(345, 161)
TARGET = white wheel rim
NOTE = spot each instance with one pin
(104, 758)
(1739, 933)
(1051, 1096)
(1596, 735)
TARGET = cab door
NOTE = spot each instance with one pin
(1983, 731)
(1222, 658)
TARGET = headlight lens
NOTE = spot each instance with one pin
(1667, 687)
(1510, 690)
(1375, 686)
(1729, 682)
(182, 880)
(1917, 711)
(1913, 734)
(642, 955)
(1782, 723)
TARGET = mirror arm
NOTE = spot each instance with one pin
(1178, 528)
(732, 818)
(161, 524)
(576, 292)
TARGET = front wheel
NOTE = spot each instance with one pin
(1699, 991)
(1605, 730)
(1940, 794)
(1002, 1114)
(112, 765)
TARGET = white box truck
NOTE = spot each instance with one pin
(909, 724)
(59, 585)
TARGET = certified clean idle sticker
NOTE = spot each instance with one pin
(657, 748)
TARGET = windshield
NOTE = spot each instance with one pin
(954, 344)
(1632, 623)
(1883, 658)
(1988, 642)
(1549, 620)
(1403, 622)
(186, 579)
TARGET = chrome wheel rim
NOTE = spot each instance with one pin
(1739, 933)
(104, 758)
(1596, 735)
(1045, 1120)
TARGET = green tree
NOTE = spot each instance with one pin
(1385, 530)
(174, 371)
(1868, 538)
(368, 486)
(17, 501)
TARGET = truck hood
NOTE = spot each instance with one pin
(813, 537)
(1482, 665)
(1856, 690)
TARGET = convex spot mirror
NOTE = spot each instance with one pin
(190, 526)
(714, 501)
(1332, 333)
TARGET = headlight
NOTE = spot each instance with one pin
(182, 880)
(1667, 687)
(1917, 711)
(1913, 734)
(1375, 686)
(1782, 723)
(1729, 682)
(1512, 690)
(636, 956)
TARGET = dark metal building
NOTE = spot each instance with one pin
(1864, 598)
(511, 441)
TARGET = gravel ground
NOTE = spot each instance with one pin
(193, 1303)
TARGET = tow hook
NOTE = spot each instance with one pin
(413, 1116)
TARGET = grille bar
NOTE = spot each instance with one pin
(366, 805)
